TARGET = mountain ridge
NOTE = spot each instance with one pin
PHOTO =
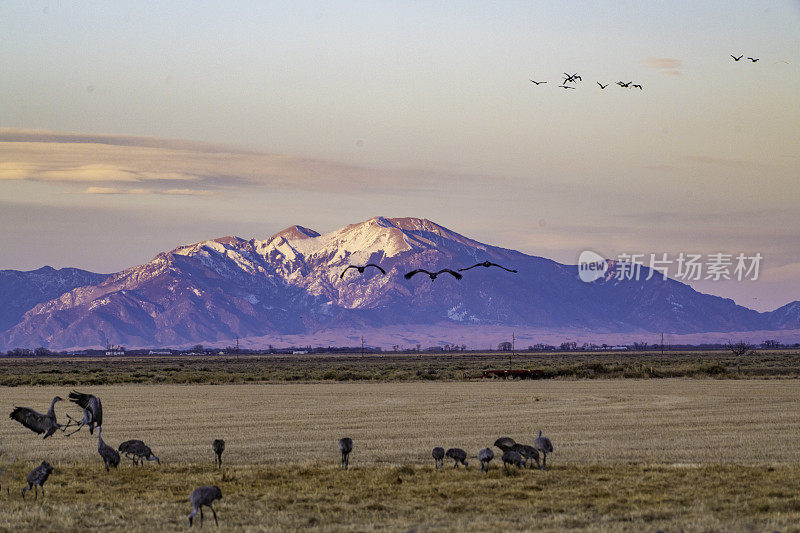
(290, 284)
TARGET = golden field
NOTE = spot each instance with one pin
(629, 454)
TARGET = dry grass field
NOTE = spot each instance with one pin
(271, 368)
(630, 454)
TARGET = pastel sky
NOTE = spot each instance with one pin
(128, 128)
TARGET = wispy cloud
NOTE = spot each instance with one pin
(119, 164)
(171, 192)
(666, 65)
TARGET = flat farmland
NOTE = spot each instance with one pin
(272, 368)
(629, 454)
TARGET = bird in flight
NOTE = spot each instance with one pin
(601, 85)
(753, 59)
(487, 264)
(623, 84)
(567, 86)
(637, 86)
(434, 274)
(737, 58)
(361, 269)
(538, 82)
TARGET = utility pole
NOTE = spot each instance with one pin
(237, 346)
(662, 344)
(362, 345)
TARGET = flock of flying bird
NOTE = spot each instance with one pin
(574, 78)
(432, 275)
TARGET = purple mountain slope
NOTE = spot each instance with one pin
(290, 284)
(21, 290)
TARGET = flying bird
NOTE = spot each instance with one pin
(566, 86)
(623, 84)
(538, 82)
(753, 59)
(36, 421)
(92, 411)
(362, 268)
(433, 274)
(637, 86)
(569, 78)
(601, 85)
(737, 58)
(487, 264)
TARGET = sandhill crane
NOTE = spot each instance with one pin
(37, 477)
(37, 422)
(458, 456)
(488, 264)
(626, 85)
(137, 451)
(737, 58)
(544, 445)
(601, 85)
(505, 443)
(753, 59)
(636, 86)
(345, 446)
(92, 411)
(538, 82)
(433, 274)
(204, 496)
(361, 269)
(110, 455)
(512, 458)
(566, 86)
(528, 453)
(218, 446)
(438, 456)
(485, 456)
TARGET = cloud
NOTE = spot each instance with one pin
(666, 65)
(171, 192)
(116, 164)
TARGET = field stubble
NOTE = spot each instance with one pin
(630, 454)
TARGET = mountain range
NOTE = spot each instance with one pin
(289, 286)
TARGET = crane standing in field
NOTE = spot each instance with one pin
(438, 456)
(458, 456)
(36, 421)
(544, 445)
(505, 443)
(204, 496)
(218, 446)
(110, 455)
(137, 451)
(345, 446)
(485, 456)
(37, 477)
(92, 411)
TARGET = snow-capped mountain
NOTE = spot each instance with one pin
(291, 284)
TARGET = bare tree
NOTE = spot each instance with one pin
(771, 344)
(740, 348)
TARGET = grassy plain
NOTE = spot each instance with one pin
(67, 370)
(637, 454)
